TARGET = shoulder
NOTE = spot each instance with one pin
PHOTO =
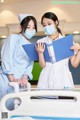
(61, 36)
(12, 37)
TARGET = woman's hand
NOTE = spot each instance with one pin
(75, 47)
(40, 47)
(23, 81)
(75, 60)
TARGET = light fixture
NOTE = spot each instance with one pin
(76, 32)
(1, 0)
(3, 36)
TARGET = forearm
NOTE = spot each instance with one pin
(75, 60)
(42, 60)
(28, 70)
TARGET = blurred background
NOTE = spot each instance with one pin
(68, 12)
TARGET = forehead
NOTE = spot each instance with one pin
(31, 22)
(47, 20)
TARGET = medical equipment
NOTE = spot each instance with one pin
(45, 105)
(17, 89)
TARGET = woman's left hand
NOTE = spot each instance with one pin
(75, 47)
(75, 60)
(24, 80)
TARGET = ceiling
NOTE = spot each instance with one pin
(15, 1)
(54, 1)
(65, 11)
(68, 14)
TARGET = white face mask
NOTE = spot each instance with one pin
(29, 33)
(50, 30)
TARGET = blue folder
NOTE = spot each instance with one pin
(61, 49)
(32, 53)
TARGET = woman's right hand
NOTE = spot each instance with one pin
(40, 47)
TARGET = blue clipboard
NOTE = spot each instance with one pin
(32, 53)
(61, 49)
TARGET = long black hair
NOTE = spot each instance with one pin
(25, 22)
(53, 17)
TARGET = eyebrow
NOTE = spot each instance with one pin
(45, 23)
(30, 25)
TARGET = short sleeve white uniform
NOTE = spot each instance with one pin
(55, 75)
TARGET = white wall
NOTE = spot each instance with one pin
(67, 14)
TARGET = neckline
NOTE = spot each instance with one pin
(24, 38)
(49, 39)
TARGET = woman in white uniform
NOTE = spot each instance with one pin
(15, 64)
(54, 75)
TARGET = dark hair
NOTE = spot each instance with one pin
(53, 17)
(25, 22)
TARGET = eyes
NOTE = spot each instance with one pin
(30, 27)
(44, 25)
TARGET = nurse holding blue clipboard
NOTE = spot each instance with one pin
(54, 75)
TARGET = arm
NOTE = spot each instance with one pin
(22, 82)
(40, 47)
(7, 54)
(75, 60)
(28, 70)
